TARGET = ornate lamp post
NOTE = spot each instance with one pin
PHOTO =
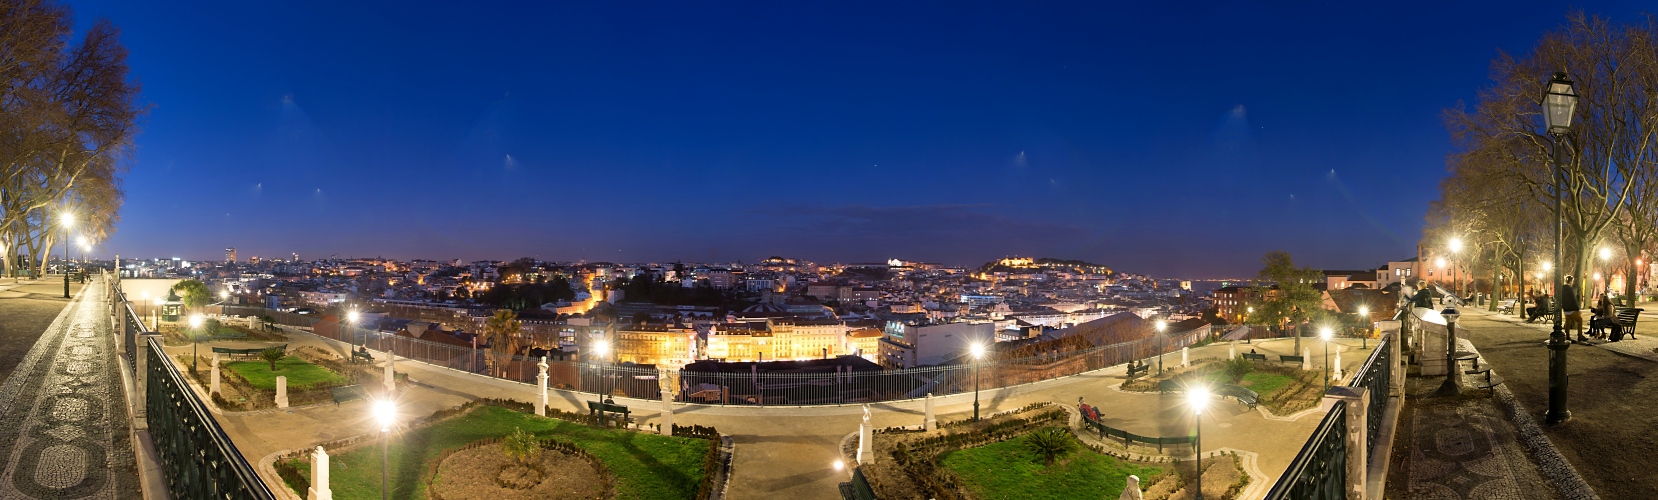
(1456, 282)
(68, 219)
(1364, 312)
(195, 338)
(1161, 326)
(1453, 373)
(978, 354)
(1198, 398)
(351, 329)
(385, 413)
(1559, 106)
(601, 348)
(1324, 334)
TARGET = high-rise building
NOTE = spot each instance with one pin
(230, 255)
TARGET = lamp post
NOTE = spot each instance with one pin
(68, 219)
(351, 320)
(600, 348)
(1559, 104)
(1364, 341)
(1456, 283)
(195, 338)
(385, 413)
(1160, 327)
(978, 354)
(1605, 255)
(1198, 398)
(155, 314)
(1324, 334)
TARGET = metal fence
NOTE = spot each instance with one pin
(1375, 375)
(1319, 471)
(827, 385)
(197, 458)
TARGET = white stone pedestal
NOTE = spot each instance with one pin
(1185, 357)
(930, 420)
(1231, 352)
(319, 477)
(215, 375)
(1306, 358)
(541, 388)
(391, 373)
(281, 391)
(866, 449)
(667, 411)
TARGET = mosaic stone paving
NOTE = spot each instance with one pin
(63, 423)
(1461, 448)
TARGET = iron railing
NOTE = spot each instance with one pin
(197, 458)
(1319, 471)
(1375, 375)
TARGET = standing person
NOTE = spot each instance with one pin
(1570, 308)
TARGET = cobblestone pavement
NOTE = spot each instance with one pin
(63, 429)
(1460, 448)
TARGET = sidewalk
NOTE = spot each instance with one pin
(788, 452)
(63, 429)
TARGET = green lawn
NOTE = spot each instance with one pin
(300, 373)
(647, 466)
(1009, 470)
(1266, 384)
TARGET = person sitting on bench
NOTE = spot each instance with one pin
(1602, 318)
(1540, 305)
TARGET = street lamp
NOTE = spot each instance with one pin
(1364, 311)
(1605, 255)
(600, 348)
(67, 219)
(385, 413)
(1324, 333)
(351, 319)
(155, 314)
(1198, 398)
(1456, 248)
(1160, 327)
(195, 331)
(978, 354)
(1559, 105)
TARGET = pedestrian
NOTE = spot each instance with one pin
(1571, 308)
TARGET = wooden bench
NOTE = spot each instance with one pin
(362, 354)
(1244, 396)
(1491, 381)
(347, 393)
(602, 408)
(1138, 370)
(1254, 356)
(1507, 306)
(1545, 314)
(1284, 358)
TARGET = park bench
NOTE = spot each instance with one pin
(1507, 306)
(1626, 319)
(1254, 356)
(362, 354)
(1138, 370)
(1491, 381)
(1244, 396)
(347, 393)
(602, 408)
(1547, 312)
(1284, 358)
(251, 351)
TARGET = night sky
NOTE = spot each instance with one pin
(1181, 139)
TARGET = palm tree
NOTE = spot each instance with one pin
(272, 355)
(502, 332)
(1051, 443)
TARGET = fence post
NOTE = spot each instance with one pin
(1357, 449)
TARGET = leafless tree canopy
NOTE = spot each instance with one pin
(1501, 190)
(68, 114)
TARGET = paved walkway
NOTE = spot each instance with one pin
(63, 417)
(1463, 447)
(789, 452)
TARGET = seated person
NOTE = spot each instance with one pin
(1540, 305)
(1602, 319)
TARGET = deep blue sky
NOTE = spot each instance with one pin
(1175, 138)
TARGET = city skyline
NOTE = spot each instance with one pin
(1180, 144)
